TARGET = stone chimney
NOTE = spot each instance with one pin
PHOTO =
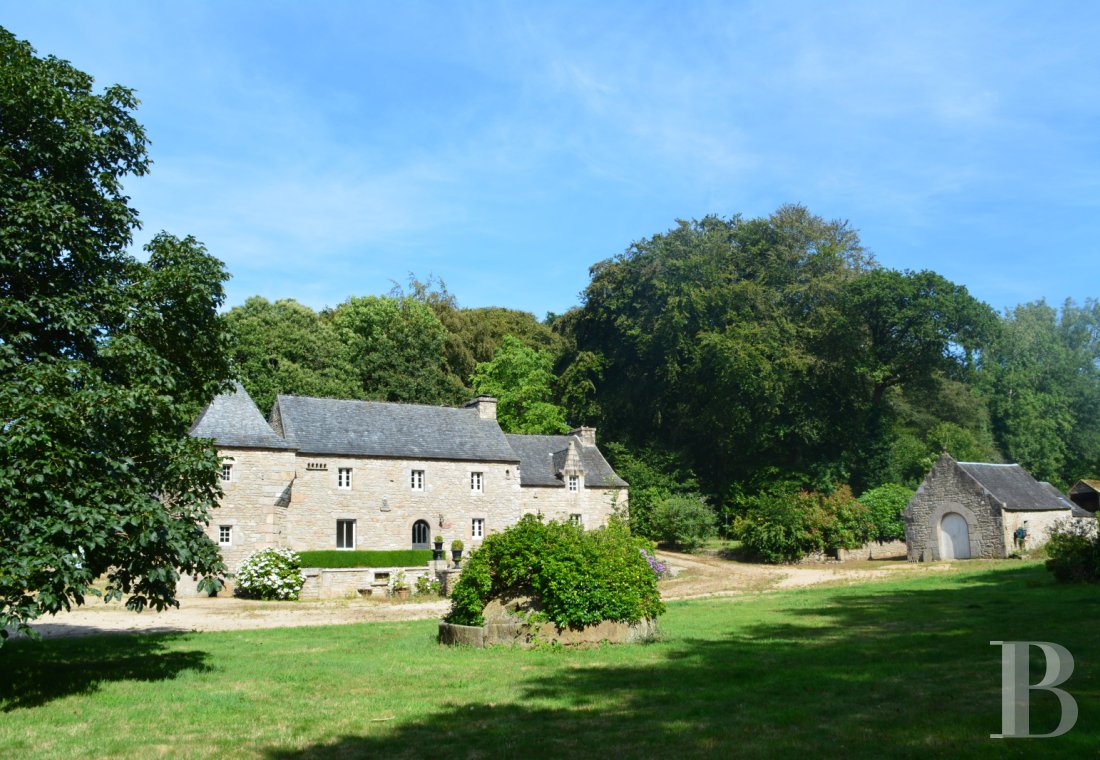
(486, 407)
(587, 435)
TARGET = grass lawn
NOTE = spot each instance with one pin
(891, 669)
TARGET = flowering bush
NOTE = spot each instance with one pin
(270, 574)
(660, 569)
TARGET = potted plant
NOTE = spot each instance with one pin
(437, 551)
(400, 585)
(456, 551)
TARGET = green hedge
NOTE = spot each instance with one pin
(393, 558)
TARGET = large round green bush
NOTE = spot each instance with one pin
(786, 525)
(684, 521)
(578, 577)
(270, 574)
(885, 505)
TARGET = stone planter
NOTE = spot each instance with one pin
(527, 635)
(401, 593)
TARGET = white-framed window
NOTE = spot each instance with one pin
(576, 520)
(343, 478)
(345, 534)
(416, 480)
(477, 482)
(574, 483)
(227, 471)
(477, 527)
(225, 535)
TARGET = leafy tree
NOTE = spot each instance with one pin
(521, 379)
(103, 360)
(1043, 383)
(285, 347)
(395, 348)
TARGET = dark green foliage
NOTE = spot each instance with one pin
(385, 558)
(578, 577)
(884, 507)
(684, 521)
(786, 525)
(521, 378)
(1073, 552)
(395, 346)
(285, 347)
(104, 360)
(653, 475)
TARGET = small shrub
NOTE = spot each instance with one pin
(385, 558)
(684, 521)
(1074, 552)
(660, 569)
(884, 506)
(270, 574)
(457, 545)
(578, 577)
(426, 586)
(786, 525)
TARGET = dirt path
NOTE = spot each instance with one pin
(695, 576)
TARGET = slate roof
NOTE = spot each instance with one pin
(537, 456)
(233, 420)
(375, 428)
(1014, 487)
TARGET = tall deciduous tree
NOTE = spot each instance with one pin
(103, 360)
(395, 347)
(522, 380)
(285, 347)
(1043, 382)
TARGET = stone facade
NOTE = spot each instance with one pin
(307, 495)
(991, 515)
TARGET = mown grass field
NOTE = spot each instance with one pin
(890, 669)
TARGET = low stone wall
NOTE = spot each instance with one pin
(527, 635)
(340, 582)
(875, 550)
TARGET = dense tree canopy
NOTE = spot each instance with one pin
(285, 347)
(104, 361)
(762, 346)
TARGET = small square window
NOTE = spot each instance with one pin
(477, 528)
(227, 472)
(477, 482)
(575, 520)
(416, 480)
(574, 483)
(345, 534)
(343, 478)
(225, 535)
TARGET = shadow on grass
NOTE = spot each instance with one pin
(34, 673)
(895, 672)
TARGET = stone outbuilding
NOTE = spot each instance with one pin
(1085, 495)
(966, 510)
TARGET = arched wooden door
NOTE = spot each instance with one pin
(421, 534)
(954, 537)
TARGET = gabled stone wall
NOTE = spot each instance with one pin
(948, 489)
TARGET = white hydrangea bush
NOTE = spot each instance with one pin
(270, 574)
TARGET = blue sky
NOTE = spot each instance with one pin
(326, 149)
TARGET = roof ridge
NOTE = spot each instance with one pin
(372, 401)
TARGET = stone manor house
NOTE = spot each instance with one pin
(325, 473)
